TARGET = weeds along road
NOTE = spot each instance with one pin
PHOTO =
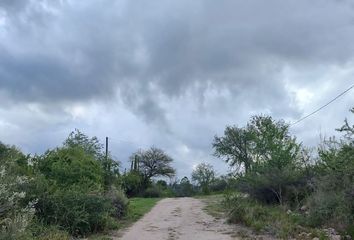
(182, 219)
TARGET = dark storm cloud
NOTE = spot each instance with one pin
(13, 5)
(59, 51)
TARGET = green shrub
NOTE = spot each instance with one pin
(69, 189)
(262, 218)
(168, 192)
(153, 192)
(119, 201)
(183, 189)
(132, 183)
(79, 213)
(45, 232)
(328, 208)
(332, 202)
(268, 184)
(15, 211)
(71, 166)
(218, 185)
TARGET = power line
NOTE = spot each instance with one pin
(319, 109)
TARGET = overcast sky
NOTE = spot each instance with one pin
(170, 73)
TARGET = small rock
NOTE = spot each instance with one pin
(315, 238)
(332, 231)
(303, 208)
(289, 212)
(335, 237)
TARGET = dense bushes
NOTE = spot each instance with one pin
(132, 183)
(74, 189)
(79, 213)
(184, 188)
(269, 155)
(219, 185)
(332, 202)
(71, 189)
(45, 232)
(264, 218)
(119, 202)
(287, 185)
(152, 192)
(69, 168)
(15, 212)
(317, 192)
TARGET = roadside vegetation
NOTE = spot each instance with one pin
(276, 185)
(77, 190)
(137, 208)
(280, 187)
(74, 190)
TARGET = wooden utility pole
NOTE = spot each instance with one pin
(106, 148)
(107, 164)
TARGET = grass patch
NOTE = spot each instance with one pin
(261, 219)
(268, 219)
(214, 205)
(137, 208)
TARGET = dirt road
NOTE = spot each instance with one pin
(179, 218)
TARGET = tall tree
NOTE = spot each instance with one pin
(154, 162)
(204, 175)
(269, 154)
(272, 142)
(262, 140)
(234, 147)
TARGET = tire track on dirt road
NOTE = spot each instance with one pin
(179, 219)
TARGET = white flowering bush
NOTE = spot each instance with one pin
(14, 217)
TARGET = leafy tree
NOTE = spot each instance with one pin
(91, 146)
(271, 142)
(234, 147)
(262, 140)
(204, 175)
(269, 154)
(67, 167)
(154, 162)
(186, 188)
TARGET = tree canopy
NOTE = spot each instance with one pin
(154, 162)
(262, 140)
(203, 174)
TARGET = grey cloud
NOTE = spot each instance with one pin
(89, 50)
(13, 5)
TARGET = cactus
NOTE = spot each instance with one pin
(135, 164)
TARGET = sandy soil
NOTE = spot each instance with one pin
(182, 219)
